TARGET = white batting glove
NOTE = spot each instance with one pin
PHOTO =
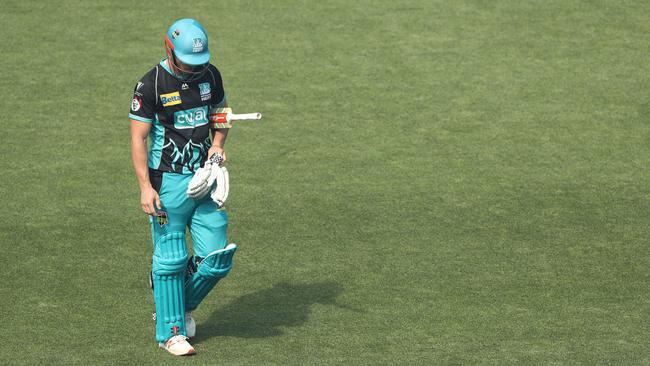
(219, 193)
(204, 178)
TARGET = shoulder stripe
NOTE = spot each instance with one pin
(156, 85)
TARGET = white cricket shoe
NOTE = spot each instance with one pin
(178, 346)
(190, 325)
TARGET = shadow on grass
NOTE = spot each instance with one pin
(261, 314)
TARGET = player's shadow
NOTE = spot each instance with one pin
(261, 314)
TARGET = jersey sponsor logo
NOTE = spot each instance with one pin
(191, 118)
(197, 45)
(204, 89)
(136, 104)
(170, 99)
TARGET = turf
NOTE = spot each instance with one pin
(433, 182)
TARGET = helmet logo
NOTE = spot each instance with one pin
(175, 34)
(197, 45)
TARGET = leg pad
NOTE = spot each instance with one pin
(211, 269)
(168, 277)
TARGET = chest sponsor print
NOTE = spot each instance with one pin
(191, 118)
(170, 99)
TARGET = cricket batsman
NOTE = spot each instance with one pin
(183, 183)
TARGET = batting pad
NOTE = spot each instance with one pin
(168, 276)
(213, 268)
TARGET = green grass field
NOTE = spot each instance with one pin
(434, 182)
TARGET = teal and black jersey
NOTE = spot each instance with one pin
(178, 111)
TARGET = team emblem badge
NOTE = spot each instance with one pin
(161, 218)
(204, 89)
(197, 45)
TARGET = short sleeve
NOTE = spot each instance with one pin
(218, 94)
(144, 99)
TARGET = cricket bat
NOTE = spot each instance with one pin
(222, 117)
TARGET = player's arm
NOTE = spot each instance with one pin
(141, 116)
(139, 133)
(149, 198)
(218, 101)
(219, 139)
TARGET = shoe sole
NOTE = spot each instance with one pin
(190, 353)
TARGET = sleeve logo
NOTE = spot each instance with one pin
(136, 104)
(170, 99)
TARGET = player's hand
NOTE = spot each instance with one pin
(149, 200)
(217, 150)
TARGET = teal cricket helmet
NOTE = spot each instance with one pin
(188, 41)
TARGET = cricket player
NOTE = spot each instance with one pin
(170, 107)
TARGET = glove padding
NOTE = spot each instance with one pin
(219, 193)
(204, 177)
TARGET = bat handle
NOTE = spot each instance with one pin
(244, 116)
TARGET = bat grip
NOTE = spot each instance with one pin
(245, 116)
